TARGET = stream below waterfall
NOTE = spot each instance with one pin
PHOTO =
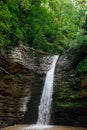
(27, 127)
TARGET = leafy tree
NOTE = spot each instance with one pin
(51, 26)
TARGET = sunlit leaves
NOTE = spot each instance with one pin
(50, 26)
(25, 5)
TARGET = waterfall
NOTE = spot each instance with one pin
(46, 99)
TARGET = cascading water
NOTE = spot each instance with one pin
(46, 99)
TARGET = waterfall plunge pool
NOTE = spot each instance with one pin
(38, 127)
(45, 127)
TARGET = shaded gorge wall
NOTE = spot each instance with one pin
(70, 91)
(22, 75)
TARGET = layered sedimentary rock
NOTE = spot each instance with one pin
(21, 73)
(70, 92)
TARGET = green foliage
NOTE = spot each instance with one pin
(68, 105)
(68, 94)
(16, 87)
(84, 42)
(82, 67)
(73, 86)
(51, 26)
(74, 81)
(18, 75)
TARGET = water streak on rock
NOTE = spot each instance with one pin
(46, 99)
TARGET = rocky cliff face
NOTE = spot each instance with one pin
(21, 73)
(70, 92)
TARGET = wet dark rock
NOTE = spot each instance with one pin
(70, 92)
(22, 74)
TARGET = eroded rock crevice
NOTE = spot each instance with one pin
(22, 75)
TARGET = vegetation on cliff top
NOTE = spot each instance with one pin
(52, 26)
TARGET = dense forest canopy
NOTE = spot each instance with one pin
(52, 26)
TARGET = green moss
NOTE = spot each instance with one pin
(66, 92)
(70, 94)
(82, 67)
(18, 75)
(68, 105)
(16, 86)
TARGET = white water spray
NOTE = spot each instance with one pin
(46, 99)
